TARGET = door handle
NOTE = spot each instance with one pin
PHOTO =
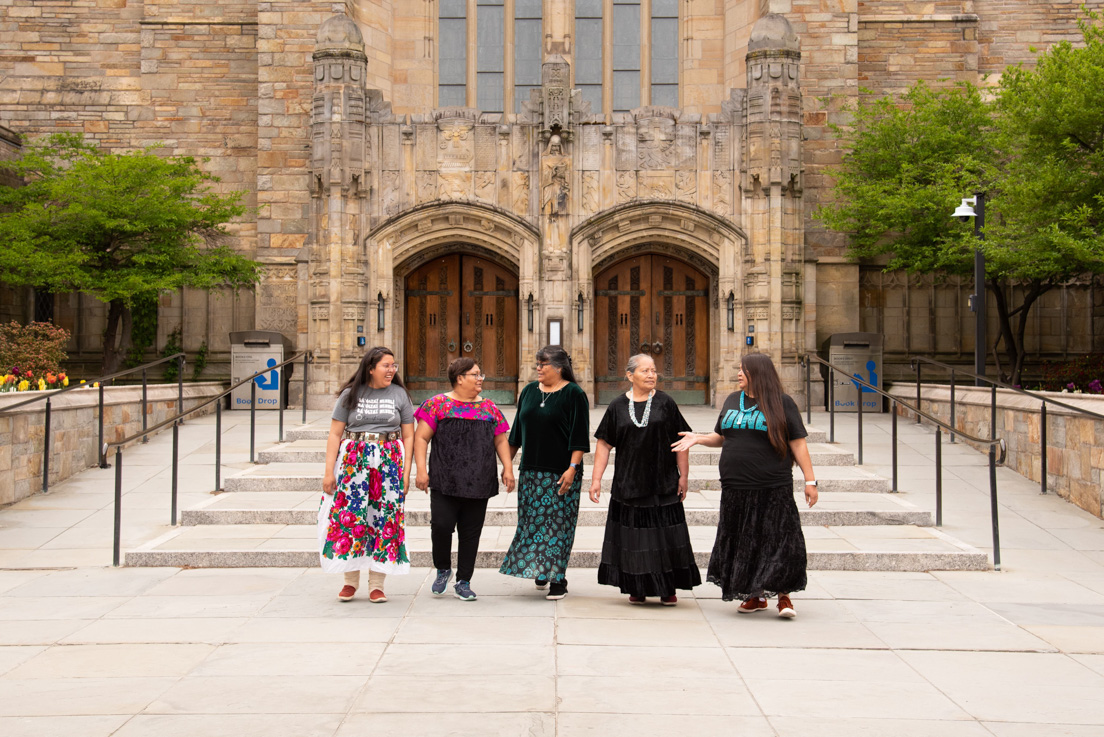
(451, 346)
(657, 348)
(645, 348)
(467, 347)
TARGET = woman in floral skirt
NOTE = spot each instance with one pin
(360, 519)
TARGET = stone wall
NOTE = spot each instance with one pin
(74, 426)
(1074, 458)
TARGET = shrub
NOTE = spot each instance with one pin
(1081, 374)
(38, 348)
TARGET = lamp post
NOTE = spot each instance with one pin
(975, 207)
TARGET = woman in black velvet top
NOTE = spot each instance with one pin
(552, 430)
(646, 551)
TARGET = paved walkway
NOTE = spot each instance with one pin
(90, 650)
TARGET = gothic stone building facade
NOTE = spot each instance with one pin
(482, 177)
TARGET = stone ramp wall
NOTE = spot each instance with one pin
(74, 429)
(1074, 459)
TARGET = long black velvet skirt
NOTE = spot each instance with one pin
(760, 549)
(646, 550)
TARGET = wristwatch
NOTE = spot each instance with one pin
(810, 483)
(573, 465)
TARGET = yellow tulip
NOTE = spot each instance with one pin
(42, 385)
(65, 381)
(23, 385)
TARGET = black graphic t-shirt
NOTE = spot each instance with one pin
(748, 460)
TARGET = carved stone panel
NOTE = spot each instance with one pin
(485, 185)
(626, 185)
(554, 185)
(657, 185)
(391, 152)
(686, 147)
(686, 185)
(592, 151)
(426, 184)
(454, 185)
(425, 147)
(590, 194)
(455, 146)
(521, 193)
(655, 143)
(485, 147)
(625, 143)
(278, 299)
(722, 193)
(391, 198)
(722, 148)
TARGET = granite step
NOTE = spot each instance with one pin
(869, 548)
(320, 431)
(308, 477)
(301, 508)
(314, 451)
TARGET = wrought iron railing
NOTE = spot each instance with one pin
(993, 443)
(176, 421)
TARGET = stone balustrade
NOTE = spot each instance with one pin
(74, 429)
(1074, 460)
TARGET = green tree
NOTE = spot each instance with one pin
(1033, 144)
(122, 227)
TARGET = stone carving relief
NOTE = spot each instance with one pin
(455, 146)
(655, 143)
(426, 183)
(454, 185)
(485, 185)
(591, 201)
(657, 185)
(722, 192)
(392, 194)
(554, 187)
(626, 186)
(521, 193)
(686, 185)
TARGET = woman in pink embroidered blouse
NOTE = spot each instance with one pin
(467, 433)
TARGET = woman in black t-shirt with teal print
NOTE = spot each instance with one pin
(760, 550)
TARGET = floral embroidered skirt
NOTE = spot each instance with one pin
(360, 526)
(546, 527)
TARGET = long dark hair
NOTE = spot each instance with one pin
(766, 387)
(558, 357)
(363, 375)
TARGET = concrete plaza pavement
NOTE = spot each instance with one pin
(86, 649)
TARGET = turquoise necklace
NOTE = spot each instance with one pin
(743, 410)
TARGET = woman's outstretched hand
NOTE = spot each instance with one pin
(686, 442)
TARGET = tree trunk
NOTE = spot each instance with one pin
(111, 355)
(1013, 335)
(118, 331)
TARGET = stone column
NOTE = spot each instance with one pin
(774, 292)
(339, 188)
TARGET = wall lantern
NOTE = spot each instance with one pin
(731, 312)
(580, 325)
(530, 301)
(381, 312)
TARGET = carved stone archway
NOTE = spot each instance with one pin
(406, 241)
(711, 244)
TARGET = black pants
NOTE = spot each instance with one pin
(448, 513)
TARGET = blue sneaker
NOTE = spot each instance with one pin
(463, 591)
(439, 583)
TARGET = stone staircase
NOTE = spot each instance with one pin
(266, 517)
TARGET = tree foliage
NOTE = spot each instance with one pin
(1034, 145)
(120, 226)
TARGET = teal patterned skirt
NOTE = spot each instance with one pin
(546, 527)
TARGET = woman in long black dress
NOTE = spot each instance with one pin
(759, 550)
(646, 551)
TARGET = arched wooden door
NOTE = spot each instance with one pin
(657, 305)
(459, 305)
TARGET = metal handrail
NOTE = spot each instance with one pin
(88, 383)
(176, 421)
(993, 442)
(1000, 384)
(917, 361)
(48, 397)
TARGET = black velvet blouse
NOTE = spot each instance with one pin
(547, 435)
(646, 466)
